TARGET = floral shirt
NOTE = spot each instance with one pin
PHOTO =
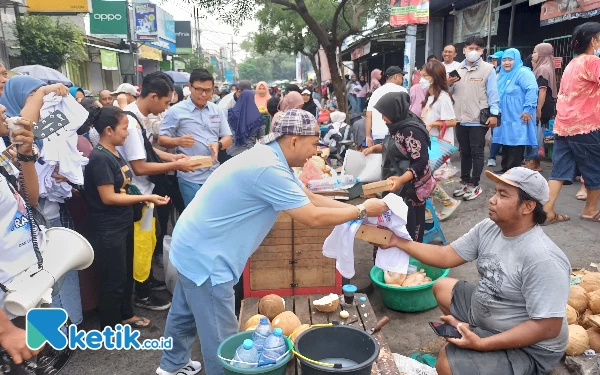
(578, 103)
(414, 144)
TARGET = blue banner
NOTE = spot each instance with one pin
(164, 45)
(146, 23)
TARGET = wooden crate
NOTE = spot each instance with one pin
(290, 261)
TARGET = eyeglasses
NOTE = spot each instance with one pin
(200, 90)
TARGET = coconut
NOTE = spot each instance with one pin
(394, 278)
(328, 303)
(571, 315)
(271, 305)
(594, 336)
(578, 298)
(254, 321)
(579, 341)
(590, 281)
(584, 321)
(251, 328)
(297, 333)
(594, 301)
(287, 321)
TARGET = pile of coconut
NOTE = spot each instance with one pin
(583, 313)
(400, 280)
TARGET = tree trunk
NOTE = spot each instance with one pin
(339, 85)
(317, 69)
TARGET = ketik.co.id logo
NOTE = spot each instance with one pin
(44, 326)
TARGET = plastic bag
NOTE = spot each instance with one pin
(310, 172)
(410, 366)
(445, 172)
(144, 242)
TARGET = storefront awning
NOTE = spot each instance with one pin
(106, 48)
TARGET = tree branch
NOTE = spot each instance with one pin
(336, 17)
(287, 4)
(355, 27)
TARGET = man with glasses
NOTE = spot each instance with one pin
(197, 127)
(475, 94)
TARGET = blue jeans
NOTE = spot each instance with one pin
(206, 309)
(353, 103)
(361, 104)
(188, 190)
(495, 150)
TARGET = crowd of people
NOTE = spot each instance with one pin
(135, 152)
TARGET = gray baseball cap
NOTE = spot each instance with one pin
(531, 182)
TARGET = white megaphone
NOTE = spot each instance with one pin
(65, 250)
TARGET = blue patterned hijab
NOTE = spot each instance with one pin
(244, 118)
(505, 78)
(16, 91)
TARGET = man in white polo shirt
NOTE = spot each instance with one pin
(375, 127)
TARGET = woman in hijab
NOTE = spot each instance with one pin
(262, 95)
(246, 122)
(545, 75)
(406, 158)
(77, 93)
(293, 100)
(518, 102)
(375, 77)
(291, 88)
(309, 104)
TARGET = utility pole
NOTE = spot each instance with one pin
(130, 40)
(198, 31)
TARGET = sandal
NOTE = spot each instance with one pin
(595, 218)
(138, 322)
(556, 219)
(447, 211)
(581, 195)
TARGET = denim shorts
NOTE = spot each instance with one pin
(577, 152)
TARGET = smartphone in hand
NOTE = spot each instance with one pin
(445, 330)
(454, 74)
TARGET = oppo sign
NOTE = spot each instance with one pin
(108, 17)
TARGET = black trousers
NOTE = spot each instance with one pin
(113, 257)
(471, 140)
(512, 156)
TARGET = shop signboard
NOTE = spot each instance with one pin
(409, 12)
(109, 19)
(150, 53)
(59, 6)
(164, 45)
(146, 22)
(183, 31)
(360, 51)
(554, 11)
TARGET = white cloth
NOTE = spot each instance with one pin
(378, 126)
(228, 101)
(61, 147)
(340, 243)
(48, 187)
(133, 148)
(365, 168)
(442, 109)
(455, 65)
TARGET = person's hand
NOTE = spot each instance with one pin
(58, 88)
(430, 126)
(375, 207)
(158, 200)
(452, 80)
(59, 178)
(370, 142)
(24, 135)
(526, 117)
(13, 340)
(469, 339)
(3, 117)
(396, 182)
(184, 165)
(179, 157)
(367, 151)
(538, 114)
(450, 320)
(215, 150)
(186, 141)
(492, 122)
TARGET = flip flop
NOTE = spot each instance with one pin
(425, 359)
(558, 218)
(446, 212)
(138, 323)
(581, 196)
(595, 218)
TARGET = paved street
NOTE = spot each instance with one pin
(406, 333)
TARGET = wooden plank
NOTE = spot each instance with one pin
(306, 240)
(279, 233)
(274, 249)
(302, 309)
(276, 241)
(298, 225)
(277, 263)
(282, 225)
(271, 278)
(314, 273)
(283, 218)
(313, 254)
(308, 247)
(265, 257)
(289, 303)
(377, 187)
(317, 317)
(248, 309)
(312, 232)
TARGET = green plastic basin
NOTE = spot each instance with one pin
(410, 298)
(229, 346)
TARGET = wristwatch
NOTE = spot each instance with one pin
(27, 158)
(220, 145)
(362, 212)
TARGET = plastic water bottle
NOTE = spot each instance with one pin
(273, 348)
(261, 333)
(347, 181)
(246, 353)
(332, 183)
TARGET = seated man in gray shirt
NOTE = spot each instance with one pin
(514, 320)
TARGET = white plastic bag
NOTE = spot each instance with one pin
(409, 366)
(365, 168)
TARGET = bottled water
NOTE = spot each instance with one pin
(261, 333)
(332, 183)
(246, 353)
(273, 348)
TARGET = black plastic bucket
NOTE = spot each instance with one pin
(337, 344)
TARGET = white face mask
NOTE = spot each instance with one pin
(424, 83)
(473, 56)
(597, 52)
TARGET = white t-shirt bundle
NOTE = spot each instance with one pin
(441, 110)
(340, 243)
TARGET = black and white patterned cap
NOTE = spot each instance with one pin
(292, 122)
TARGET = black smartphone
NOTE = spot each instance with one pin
(454, 74)
(445, 330)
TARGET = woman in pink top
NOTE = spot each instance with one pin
(577, 124)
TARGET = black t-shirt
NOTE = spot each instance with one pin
(549, 104)
(106, 169)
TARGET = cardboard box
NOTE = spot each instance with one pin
(377, 187)
(374, 235)
(201, 161)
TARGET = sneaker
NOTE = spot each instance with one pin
(472, 192)
(460, 191)
(491, 163)
(153, 303)
(157, 285)
(193, 367)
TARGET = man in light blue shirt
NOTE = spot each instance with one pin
(197, 127)
(226, 222)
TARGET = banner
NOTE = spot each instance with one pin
(409, 12)
(109, 19)
(554, 11)
(150, 53)
(473, 21)
(361, 51)
(146, 24)
(59, 6)
(183, 32)
(169, 24)
(109, 60)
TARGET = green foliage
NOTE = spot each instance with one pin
(47, 42)
(270, 67)
(195, 62)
